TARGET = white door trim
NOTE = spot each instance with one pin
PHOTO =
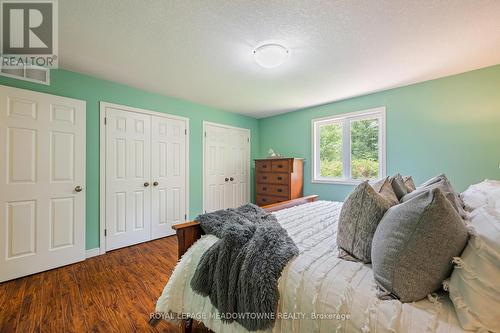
(205, 123)
(102, 161)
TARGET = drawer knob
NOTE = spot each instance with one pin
(231, 179)
(280, 190)
(226, 179)
(264, 199)
(280, 166)
(264, 166)
(280, 178)
(264, 189)
(264, 177)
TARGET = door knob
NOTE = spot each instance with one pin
(227, 179)
(78, 188)
(231, 179)
(156, 184)
(146, 184)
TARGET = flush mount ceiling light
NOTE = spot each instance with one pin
(270, 55)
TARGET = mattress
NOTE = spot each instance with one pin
(318, 291)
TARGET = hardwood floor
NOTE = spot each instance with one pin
(114, 292)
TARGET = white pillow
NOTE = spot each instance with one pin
(477, 195)
(493, 199)
(474, 285)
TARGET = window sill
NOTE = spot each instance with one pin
(341, 181)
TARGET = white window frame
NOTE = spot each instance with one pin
(345, 119)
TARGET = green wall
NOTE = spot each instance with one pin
(92, 90)
(449, 125)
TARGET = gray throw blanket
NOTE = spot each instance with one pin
(240, 272)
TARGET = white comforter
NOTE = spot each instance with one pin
(318, 291)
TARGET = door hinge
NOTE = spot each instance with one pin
(185, 216)
(248, 140)
(105, 120)
(186, 132)
(205, 134)
(105, 232)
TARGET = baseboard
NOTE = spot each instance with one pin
(92, 253)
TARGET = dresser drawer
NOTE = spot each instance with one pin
(263, 200)
(280, 166)
(267, 189)
(263, 166)
(272, 178)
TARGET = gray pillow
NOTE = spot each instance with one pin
(384, 188)
(414, 245)
(359, 217)
(409, 183)
(398, 185)
(433, 180)
(458, 199)
(445, 186)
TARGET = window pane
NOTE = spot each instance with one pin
(330, 153)
(364, 149)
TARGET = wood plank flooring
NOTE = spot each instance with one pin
(114, 292)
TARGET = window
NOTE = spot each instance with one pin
(349, 148)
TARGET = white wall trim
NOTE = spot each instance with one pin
(379, 112)
(92, 253)
(102, 161)
(205, 123)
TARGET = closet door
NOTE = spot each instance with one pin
(239, 164)
(42, 182)
(128, 188)
(168, 174)
(226, 167)
(215, 168)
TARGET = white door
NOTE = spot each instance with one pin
(42, 182)
(168, 175)
(226, 167)
(128, 188)
(239, 165)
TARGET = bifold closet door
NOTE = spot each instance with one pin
(226, 167)
(168, 175)
(42, 182)
(128, 188)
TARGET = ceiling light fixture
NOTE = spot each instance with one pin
(270, 55)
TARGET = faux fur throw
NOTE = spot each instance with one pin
(240, 272)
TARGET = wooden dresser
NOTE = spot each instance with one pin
(278, 179)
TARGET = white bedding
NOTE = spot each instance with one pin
(316, 282)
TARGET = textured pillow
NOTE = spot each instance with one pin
(493, 199)
(433, 180)
(384, 188)
(477, 194)
(444, 185)
(442, 177)
(398, 185)
(359, 217)
(414, 245)
(474, 285)
(409, 183)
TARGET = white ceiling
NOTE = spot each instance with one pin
(202, 50)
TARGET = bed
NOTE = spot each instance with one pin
(326, 293)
